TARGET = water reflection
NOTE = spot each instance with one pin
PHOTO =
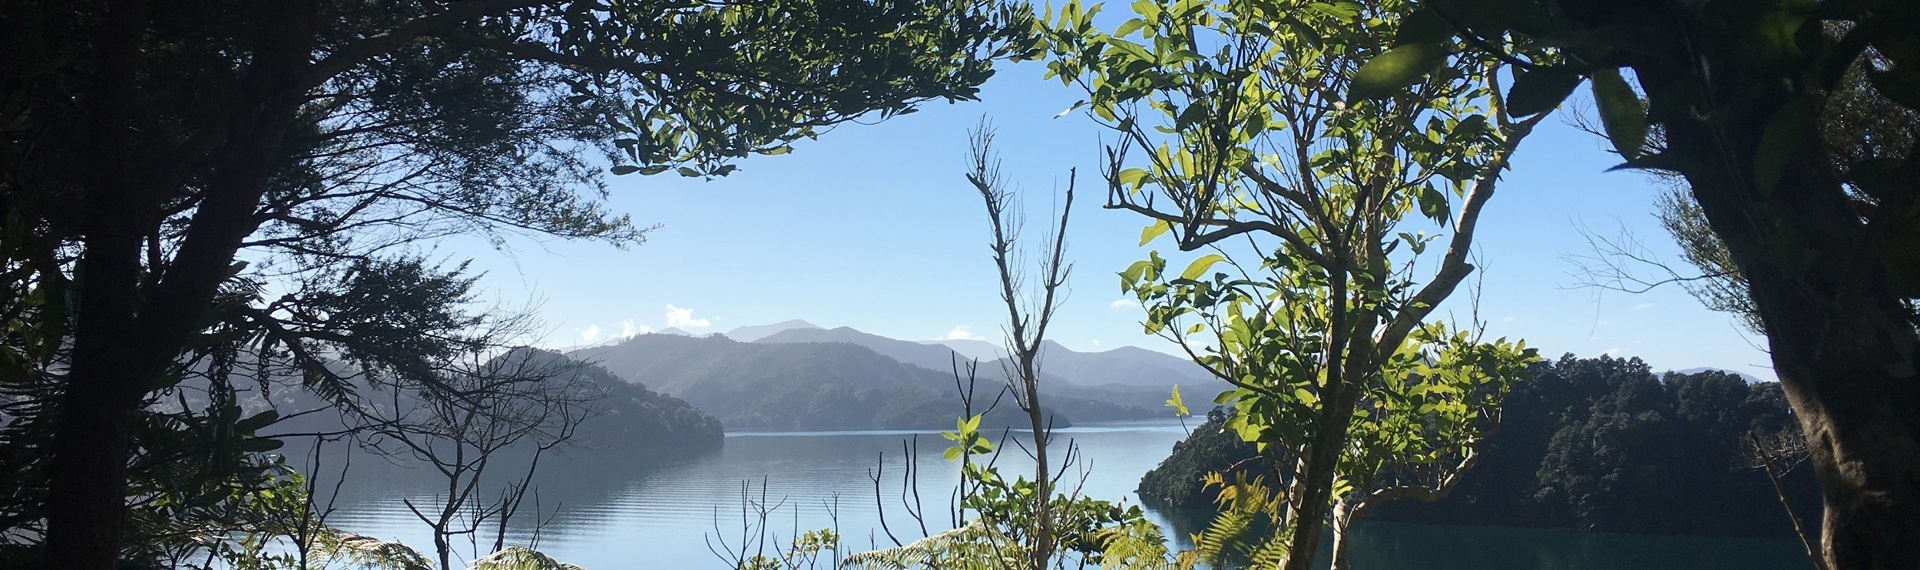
(604, 510)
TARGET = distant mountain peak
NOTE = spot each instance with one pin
(674, 331)
(752, 333)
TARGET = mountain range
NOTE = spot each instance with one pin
(797, 376)
(1124, 366)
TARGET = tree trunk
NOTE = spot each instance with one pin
(1343, 517)
(126, 334)
(1321, 466)
(1859, 403)
(1043, 489)
(86, 500)
(1843, 341)
(93, 435)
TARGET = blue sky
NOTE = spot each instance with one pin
(873, 227)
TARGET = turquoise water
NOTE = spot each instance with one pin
(606, 514)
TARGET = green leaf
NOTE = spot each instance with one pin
(1199, 266)
(1776, 33)
(1469, 127)
(1153, 230)
(1900, 84)
(259, 444)
(1179, 407)
(952, 453)
(624, 169)
(1882, 178)
(1423, 26)
(1133, 273)
(1540, 91)
(1433, 204)
(1621, 112)
(1129, 27)
(260, 420)
(1786, 132)
(1396, 69)
(1345, 11)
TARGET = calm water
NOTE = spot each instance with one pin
(603, 516)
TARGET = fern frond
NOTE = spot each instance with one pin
(368, 552)
(1138, 545)
(972, 546)
(518, 558)
(1271, 552)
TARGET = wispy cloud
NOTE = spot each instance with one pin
(629, 330)
(1615, 351)
(1506, 319)
(1643, 306)
(1121, 303)
(683, 318)
(962, 332)
(591, 333)
(1096, 342)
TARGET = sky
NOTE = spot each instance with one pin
(873, 227)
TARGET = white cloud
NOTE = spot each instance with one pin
(1121, 303)
(628, 330)
(1643, 306)
(1507, 319)
(683, 318)
(962, 332)
(1096, 343)
(1614, 352)
(589, 335)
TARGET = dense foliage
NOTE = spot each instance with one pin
(1789, 121)
(1599, 444)
(1210, 448)
(149, 146)
(1334, 229)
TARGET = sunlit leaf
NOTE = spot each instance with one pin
(1153, 230)
(1621, 111)
(1396, 69)
(1199, 266)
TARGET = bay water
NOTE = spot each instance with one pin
(604, 512)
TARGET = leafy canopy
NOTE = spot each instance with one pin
(1237, 134)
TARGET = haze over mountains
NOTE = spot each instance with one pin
(1124, 366)
(797, 376)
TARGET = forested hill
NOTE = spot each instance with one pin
(1599, 444)
(631, 418)
(814, 385)
(627, 418)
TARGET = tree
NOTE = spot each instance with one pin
(517, 407)
(1856, 125)
(1735, 98)
(1233, 135)
(1029, 313)
(149, 146)
(1032, 524)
